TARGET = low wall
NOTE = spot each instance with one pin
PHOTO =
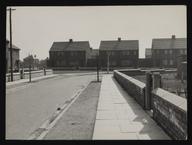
(170, 112)
(16, 76)
(135, 72)
(132, 86)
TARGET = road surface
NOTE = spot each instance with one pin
(27, 107)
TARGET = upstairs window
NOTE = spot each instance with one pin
(165, 62)
(171, 62)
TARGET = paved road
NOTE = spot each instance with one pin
(27, 107)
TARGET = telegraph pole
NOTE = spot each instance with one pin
(11, 52)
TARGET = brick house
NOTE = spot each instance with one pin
(69, 54)
(145, 62)
(182, 66)
(166, 50)
(92, 58)
(15, 57)
(148, 53)
(120, 53)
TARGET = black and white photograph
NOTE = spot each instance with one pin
(96, 72)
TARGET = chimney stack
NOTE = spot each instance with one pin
(173, 36)
(119, 38)
(70, 40)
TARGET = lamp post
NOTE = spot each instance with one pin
(11, 53)
(108, 62)
(98, 67)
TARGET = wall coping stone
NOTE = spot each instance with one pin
(135, 81)
(172, 98)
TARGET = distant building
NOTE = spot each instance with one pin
(69, 54)
(145, 62)
(92, 58)
(27, 61)
(120, 53)
(166, 50)
(182, 67)
(148, 53)
(15, 57)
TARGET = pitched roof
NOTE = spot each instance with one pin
(169, 43)
(70, 46)
(119, 45)
(13, 46)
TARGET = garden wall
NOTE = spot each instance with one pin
(132, 86)
(170, 112)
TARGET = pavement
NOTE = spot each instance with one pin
(120, 117)
(23, 81)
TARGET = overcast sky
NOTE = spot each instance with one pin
(36, 28)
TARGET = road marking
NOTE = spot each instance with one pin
(43, 130)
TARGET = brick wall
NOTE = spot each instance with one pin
(170, 112)
(132, 86)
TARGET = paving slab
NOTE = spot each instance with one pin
(120, 117)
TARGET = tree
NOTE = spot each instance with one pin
(29, 60)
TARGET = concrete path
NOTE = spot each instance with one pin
(119, 117)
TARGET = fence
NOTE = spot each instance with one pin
(17, 76)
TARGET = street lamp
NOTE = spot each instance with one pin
(11, 53)
(97, 66)
(108, 53)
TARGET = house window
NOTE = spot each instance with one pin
(135, 52)
(165, 62)
(171, 62)
(165, 51)
(170, 51)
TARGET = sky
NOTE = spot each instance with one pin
(34, 29)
